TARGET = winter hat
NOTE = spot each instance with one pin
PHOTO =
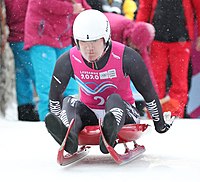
(142, 34)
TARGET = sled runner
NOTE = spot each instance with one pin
(90, 136)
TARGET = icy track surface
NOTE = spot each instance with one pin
(28, 154)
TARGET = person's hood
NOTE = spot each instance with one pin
(142, 34)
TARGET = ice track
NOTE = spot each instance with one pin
(28, 154)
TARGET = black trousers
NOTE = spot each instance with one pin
(84, 116)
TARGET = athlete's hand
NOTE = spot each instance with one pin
(168, 118)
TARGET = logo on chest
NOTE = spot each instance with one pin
(108, 74)
(97, 82)
(87, 75)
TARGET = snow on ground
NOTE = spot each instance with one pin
(28, 154)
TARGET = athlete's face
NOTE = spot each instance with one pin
(92, 50)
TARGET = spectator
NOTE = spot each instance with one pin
(129, 8)
(48, 35)
(114, 6)
(96, 4)
(174, 25)
(4, 72)
(3, 32)
(122, 7)
(25, 76)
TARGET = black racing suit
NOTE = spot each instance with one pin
(133, 66)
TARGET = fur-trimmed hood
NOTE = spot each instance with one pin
(142, 34)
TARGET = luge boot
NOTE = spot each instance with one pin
(109, 128)
(58, 131)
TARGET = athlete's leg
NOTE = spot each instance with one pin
(132, 114)
(55, 127)
(113, 120)
(72, 109)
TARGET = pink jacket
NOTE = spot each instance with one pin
(120, 27)
(49, 22)
(15, 17)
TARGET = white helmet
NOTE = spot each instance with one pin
(91, 25)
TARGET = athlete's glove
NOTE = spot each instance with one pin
(162, 127)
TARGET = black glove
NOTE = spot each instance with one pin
(162, 127)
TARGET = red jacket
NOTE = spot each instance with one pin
(49, 22)
(147, 7)
(15, 17)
